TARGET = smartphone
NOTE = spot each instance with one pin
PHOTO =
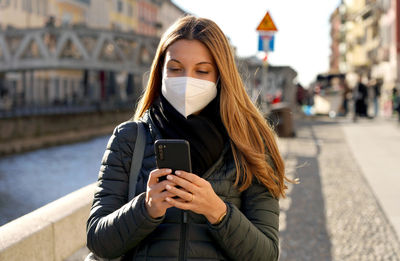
(173, 154)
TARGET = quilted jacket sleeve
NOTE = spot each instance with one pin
(115, 225)
(253, 233)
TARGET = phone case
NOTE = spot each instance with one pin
(173, 154)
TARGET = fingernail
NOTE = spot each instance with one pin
(178, 172)
(167, 199)
(169, 177)
(168, 170)
(168, 187)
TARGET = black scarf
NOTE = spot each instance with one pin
(205, 132)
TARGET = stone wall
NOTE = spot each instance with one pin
(53, 232)
(20, 134)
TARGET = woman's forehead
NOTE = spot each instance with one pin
(192, 51)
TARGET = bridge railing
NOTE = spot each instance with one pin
(79, 48)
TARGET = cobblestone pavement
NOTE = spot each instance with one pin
(332, 214)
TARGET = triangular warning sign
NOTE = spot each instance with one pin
(267, 24)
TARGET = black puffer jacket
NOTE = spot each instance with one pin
(116, 226)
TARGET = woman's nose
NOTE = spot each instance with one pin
(188, 73)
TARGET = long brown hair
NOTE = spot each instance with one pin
(252, 140)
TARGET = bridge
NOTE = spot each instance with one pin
(78, 48)
(110, 66)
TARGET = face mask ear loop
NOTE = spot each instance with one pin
(217, 84)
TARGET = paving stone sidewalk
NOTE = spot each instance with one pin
(332, 214)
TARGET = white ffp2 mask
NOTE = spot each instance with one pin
(188, 95)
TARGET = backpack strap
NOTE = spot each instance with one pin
(136, 164)
(137, 158)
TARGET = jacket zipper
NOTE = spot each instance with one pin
(182, 244)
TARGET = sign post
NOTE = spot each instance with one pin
(266, 30)
(267, 24)
(266, 43)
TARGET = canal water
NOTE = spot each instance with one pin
(31, 180)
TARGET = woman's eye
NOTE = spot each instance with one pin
(203, 72)
(173, 69)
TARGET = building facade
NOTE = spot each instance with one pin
(168, 14)
(98, 14)
(148, 21)
(336, 24)
(362, 36)
(123, 15)
(23, 13)
(40, 88)
(52, 87)
(369, 44)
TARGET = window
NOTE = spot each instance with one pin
(130, 10)
(57, 92)
(65, 90)
(39, 7)
(386, 35)
(120, 6)
(44, 6)
(29, 6)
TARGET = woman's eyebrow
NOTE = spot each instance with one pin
(204, 63)
(199, 63)
(174, 60)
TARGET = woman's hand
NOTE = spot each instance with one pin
(197, 194)
(156, 193)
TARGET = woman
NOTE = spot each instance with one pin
(227, 209)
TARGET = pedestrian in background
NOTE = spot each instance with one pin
(360, 98)
(396, 102)
(346, 92)
(227, 209)
(376, 94)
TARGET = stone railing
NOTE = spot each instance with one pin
(53, 232)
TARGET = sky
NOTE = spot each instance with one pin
(303, 36)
